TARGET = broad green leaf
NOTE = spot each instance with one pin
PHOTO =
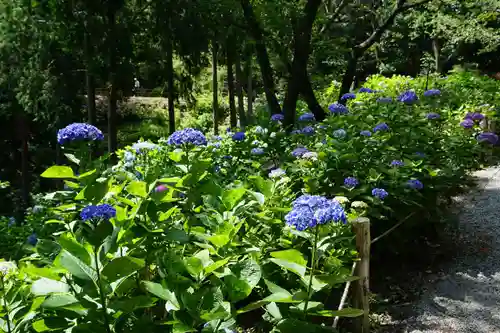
(194, 266)
(231, 197)
(265, 186)
(176, 155)
(70, 244)
(77, 267)
(121, 267)
(128, 305)
(215, 266)
(182, 328)
(249, 271)
(50, 324)
(219, 240)
(45, 272)
(72, 158)
(87, 174)
(290, 255)
(291, 266)
(59, 301)
(163, 293)
(58, 171)
(237, 289)
(137, 188)
(347, 312)
(261, 199)
(46, 286)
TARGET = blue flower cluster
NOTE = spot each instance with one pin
(365, 133)
(93, 212)
(384, 100)
(143, 145)
(476, 116)
(397, 163)
(298, 152)
(308, 130)
(337, 108)
(339, 134)
(380, 193)
(381, 127)
(351, 182)
(432, 93)
(488, 137)
(310, 210)
(79, 132)
(467, 123)
(32, 239)
(257, 151)
(408, 97)
(347, 96)
(366, 90)
(239, 136)
(433, 115)
(307, 117)
(277, 117)
(276, 173)
(415, 184)
(187, 136)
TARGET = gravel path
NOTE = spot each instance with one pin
(466, 298)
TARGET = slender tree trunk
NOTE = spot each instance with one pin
(262, 57)
(113, 99)
(249, 88)
(170, 80)
(215, 88)
(230, 85)
(309, 96)
(437, 55)
(89, 78)
(25, 177)
(349, 74)
(239, 91)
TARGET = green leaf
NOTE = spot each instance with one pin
(59, 301)
(347, 312)
(72, 158)
(261, 199)
(290, 255)
(50, 324)
(46, 286)
(291, 266)
(128, 305)
(163, 293)
(176, 155)
(249, 271)
(230, 198)
(265, 186)
(87, 174)
(219, 240)
(70, 244)
(77, 267)
(137, 188)
(194, 266)
(215, 266)
(236, 288)
(58, 171)
(121, 267)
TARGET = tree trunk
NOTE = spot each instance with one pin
(262, 57)
(349, 74)
(249, 88)
(112, 128)
(239, 91)
(309, 96)
(230, 85)
(215, 93)
(437, 54)
(89, 78)
(170, 80)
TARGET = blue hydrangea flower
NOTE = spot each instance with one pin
(307, 117)
(37, 209)
(32, 239)
(347, 96)
(187, 136)
(12, 222)
(488, 137)
(379, 193)
(239, 136)
(260, 130)
(277, 173)
(129, 157)
(408, 97)
(384, 100)
(79, 132)
(217, 138)
(227, 157)
(397, 163)
(366, 90)
(257, 151)
(476, 116)
(339, 134)
(433, 115)
(298, 152)
(415, 184)
(432, 93)
(295, 132)
(142, 146)
(365, 133)
(351, 182)
(310, 210)
(337, 108)
(381, 127)
(217, 169)
(92, 212)
(278, 117)
(467, 123)
(308, 130)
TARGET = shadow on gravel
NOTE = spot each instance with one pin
(454, 271)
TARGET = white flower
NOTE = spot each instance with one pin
(340, 134)
(276, 173)
(273, 135)
(310, 156)
(342, 200)
(260, 130)
(7, 266)
(359, 205)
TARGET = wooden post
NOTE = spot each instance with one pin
(362, 287)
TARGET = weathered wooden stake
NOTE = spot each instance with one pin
(362, 287)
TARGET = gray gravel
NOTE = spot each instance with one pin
(466, 298)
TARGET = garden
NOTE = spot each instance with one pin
(248, 231)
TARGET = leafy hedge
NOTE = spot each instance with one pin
(185, 237)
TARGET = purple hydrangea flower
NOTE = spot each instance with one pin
(381, 127)
(488, 137)
(239, 136)
(187, 136)
(337, 108)
(161, 188)
(308, 130)
(408, 97)
(467, 123)
(278, 117)
(365, 133)
(257, 151)
(351, 182)
(384, 100)
(397, 163)
(92, 212)
(432, 93)
(379, 193)
(32, 239)
(415, 184)
(298, 152)
(433, 115)
(366, 90)
(307, 117)
(477, 116)
(79, 132)
(310, 210)
(347, 96)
